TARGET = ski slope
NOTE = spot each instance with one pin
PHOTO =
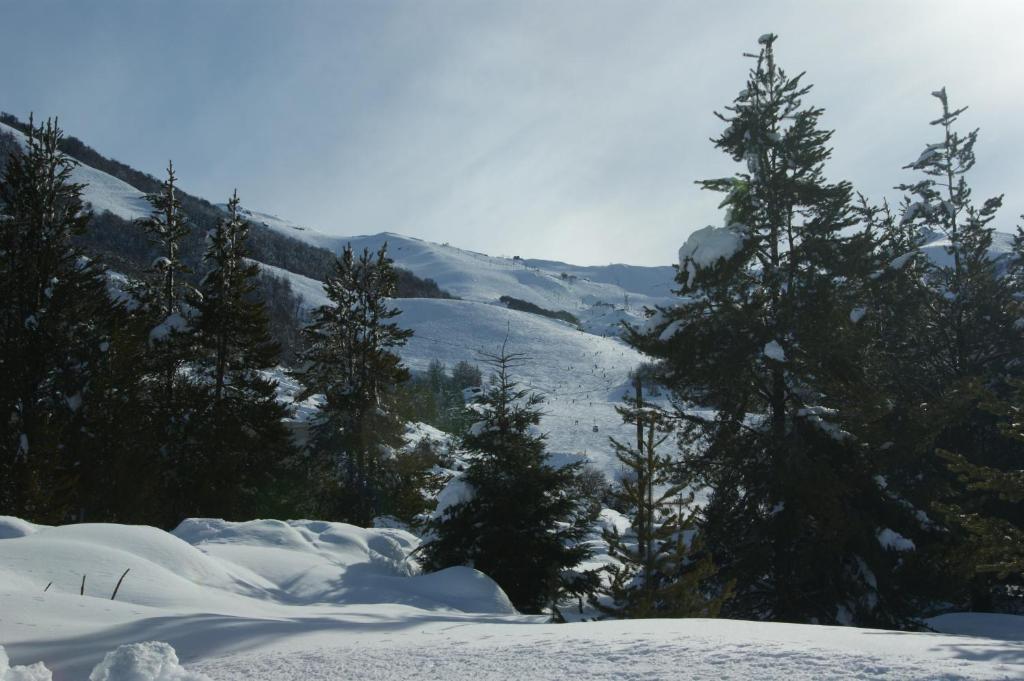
(601, 297)
(273, 601)
(581, 375)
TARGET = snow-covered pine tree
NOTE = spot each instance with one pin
(242, 440)
(761, 336)
(173, 397)
(350, 359)
(969, 328)
(973, 301)
(661, 571)
(520, 524)
(167, 227)
(54, 324)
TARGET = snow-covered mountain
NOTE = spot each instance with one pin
(600, 297)
(102, 191)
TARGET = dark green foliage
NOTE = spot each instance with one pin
(411, 286)
(435, 398)
(526, 306)
(8, 146)
(764, 338)
(285, 316)
(522, 527)
(990, 507)
(946, 364)
(413, 482)
(349, 358)
(662, 572)
(466, 375)
(55, 320)
(241, 439)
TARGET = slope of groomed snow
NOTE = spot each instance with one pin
(582, 375)
(601, 297)
(226, 595)
(102, 192)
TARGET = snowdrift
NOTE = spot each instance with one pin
(220, 566)
(308, 600)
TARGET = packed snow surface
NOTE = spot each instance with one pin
(307, 600)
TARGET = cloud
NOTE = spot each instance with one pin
(571, 130)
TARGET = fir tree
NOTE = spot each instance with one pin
(521, 526)
(965, 314)
(972, 300)
(173, 397)
(242, 438)
(659, 573)
(762, 337)
(992, 514)
(350, 360)
(54, 322)
(167, 228)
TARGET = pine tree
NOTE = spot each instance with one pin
(54, 321)
(242, 438)
(992, 510)
(966, 325)
(173, 397)
(972, 300)
(350, 360)
(521, 525)
(762, 337)
(661, 570)
(165, 292)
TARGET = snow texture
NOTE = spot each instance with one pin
(33, 672)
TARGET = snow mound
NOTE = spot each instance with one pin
(33, 672)
(149, 661)
(163, 570)
(301, 562)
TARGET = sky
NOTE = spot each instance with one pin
(565, 129)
